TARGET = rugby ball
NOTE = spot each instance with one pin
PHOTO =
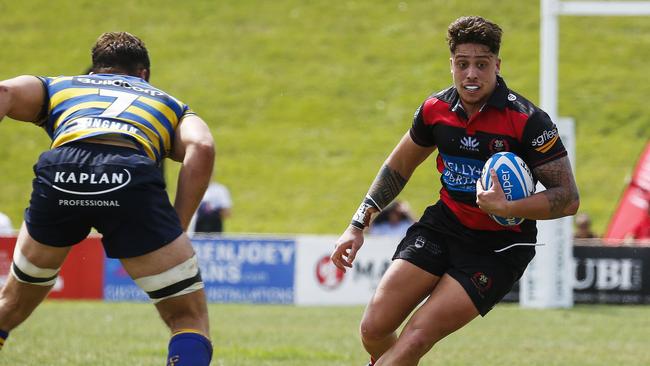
(515, 177)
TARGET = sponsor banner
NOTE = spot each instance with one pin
(234, 270)
(118, 285)
(247, 270)
(7, 244)
(81, 274)
(607, 275)
(319, 282)
(612, 275)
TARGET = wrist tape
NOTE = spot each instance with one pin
(361, 218)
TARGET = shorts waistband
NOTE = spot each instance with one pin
(99, 147)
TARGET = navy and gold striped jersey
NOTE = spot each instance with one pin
(97, 105)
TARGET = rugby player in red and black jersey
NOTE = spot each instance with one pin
(457, 259)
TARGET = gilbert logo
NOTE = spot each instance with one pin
(469, 143)
(114, 180)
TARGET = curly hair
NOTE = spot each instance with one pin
(474, 29)
(119, 50)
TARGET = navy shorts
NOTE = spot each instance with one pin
(486, 276)
(117, 190)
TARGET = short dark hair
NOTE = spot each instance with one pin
(119, 51)
(474, 29)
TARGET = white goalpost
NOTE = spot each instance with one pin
(548, 281)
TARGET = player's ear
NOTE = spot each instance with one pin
(498, 66)
(145, 74)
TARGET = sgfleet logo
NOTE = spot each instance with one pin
(115, 180)
(469, 143)
(545, 141)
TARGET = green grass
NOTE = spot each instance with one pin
(307, 98)
(94, 333)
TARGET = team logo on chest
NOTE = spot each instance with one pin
(469, 143)
(498, 145)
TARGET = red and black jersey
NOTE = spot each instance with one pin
(507, 122)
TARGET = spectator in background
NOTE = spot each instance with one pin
(5, 225)
(394, 220)
(214, 209)
(583, 227)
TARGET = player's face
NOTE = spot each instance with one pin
(474, 68)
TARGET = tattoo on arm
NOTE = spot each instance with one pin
(386, 186)
(561, 190)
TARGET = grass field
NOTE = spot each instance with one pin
(306, 98)
(94, 333)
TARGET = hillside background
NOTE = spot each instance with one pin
(306, 98)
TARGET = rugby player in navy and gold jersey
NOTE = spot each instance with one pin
(110, 131)
(456, 260)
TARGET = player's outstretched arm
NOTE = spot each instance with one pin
(560, 198)
(389, 182)
(194, 149)
(22, 98)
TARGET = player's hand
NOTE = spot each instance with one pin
(346, 247)
(492, 200)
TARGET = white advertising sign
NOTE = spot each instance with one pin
(319, 282)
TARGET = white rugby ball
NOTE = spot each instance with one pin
(515, 177)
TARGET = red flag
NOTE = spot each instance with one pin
(633, 206)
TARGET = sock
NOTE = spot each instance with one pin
(3, 337)
(189, 348)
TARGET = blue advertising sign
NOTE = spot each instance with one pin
(234, 270)
(118, 286)
(247, 270)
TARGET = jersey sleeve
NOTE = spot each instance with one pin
(421, 132)
(542, 140)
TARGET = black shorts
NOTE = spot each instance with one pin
(117, 190)
(486, 276)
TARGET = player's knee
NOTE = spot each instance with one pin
(180, 280)
(26, 272)
(371, 331)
